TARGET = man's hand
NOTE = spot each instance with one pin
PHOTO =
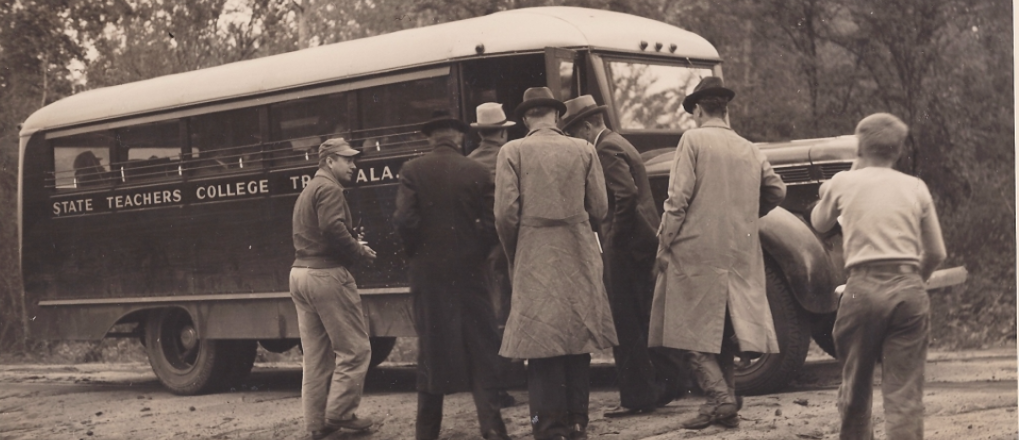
(662, 260)
(368, 252)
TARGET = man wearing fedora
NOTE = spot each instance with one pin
(710, 296)
(334, 332)
(492, 126)
(444, 217)
(646, 380)
(550, 197)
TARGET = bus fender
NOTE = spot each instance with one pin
(803, 259)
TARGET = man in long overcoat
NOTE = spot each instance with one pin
(493, 128)
(646, 379)
(712, 280)
(444, 216)
(550, 196)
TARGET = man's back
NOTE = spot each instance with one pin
(717, 193)
(454, 207)
(640, 215)
(554, 174)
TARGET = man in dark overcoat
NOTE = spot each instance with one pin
(646, 378)
(444, 216)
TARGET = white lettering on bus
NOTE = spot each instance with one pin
(304, 179)
(72, 206)
(387, 174)
(143, 199)
(252, 187)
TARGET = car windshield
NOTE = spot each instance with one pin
(650, 96)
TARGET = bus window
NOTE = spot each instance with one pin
(79, 161)
(392, 114)
(650, 96)
(299, 127)
(225, 141)
(152, 151)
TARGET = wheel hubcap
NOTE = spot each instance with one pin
(188, 337)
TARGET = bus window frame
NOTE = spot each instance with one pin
(598, 62)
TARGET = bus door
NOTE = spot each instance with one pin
(562, 70)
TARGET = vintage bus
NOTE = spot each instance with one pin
(161, 209)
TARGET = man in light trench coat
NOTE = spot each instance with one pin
(711, 270)
(549, 197)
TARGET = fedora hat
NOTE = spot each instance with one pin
(709, 86)
(490, 115)
(538, 97)
(579, 108)
(442, 119)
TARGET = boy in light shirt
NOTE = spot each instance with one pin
(892, 243)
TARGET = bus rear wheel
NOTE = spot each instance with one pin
(188, 365)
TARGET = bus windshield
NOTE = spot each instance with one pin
(649, 96)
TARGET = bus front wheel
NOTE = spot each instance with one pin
(188, 365)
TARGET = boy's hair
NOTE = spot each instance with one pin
(881, 136)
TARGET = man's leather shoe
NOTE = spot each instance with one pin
(701, 421)
(622, 411)
(352, 423)
(495, 435)
(723, 411)
(321, 434)
(730, 422)
(504, 399)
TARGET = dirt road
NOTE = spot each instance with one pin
(969, 395)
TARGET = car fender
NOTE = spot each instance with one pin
(803, 258)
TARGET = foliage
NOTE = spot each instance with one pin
(801, 68)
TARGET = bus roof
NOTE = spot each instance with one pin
(517, 30)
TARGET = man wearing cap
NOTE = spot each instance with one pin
(550, 195)
(444, 216)
(334, 332)
(628, 237)
(710, 295)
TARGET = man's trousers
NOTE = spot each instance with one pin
(646, 376)
(559, 389)
(716, 373)
(334, 335)
(429, 415)
(884, 315)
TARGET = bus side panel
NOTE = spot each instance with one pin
(373, 208)
(233, 247)
(37, 250)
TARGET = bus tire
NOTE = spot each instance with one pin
(771, 372)
(381, 347)
(185, 364)
(821, 328)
